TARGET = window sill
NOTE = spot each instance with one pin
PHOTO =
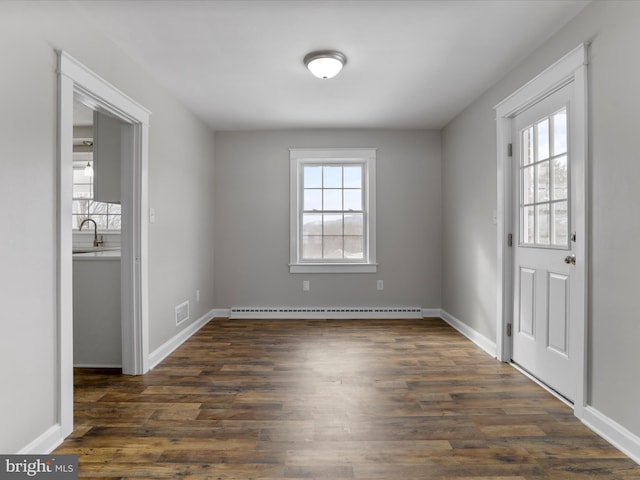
(333, 268)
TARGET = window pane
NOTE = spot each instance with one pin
(80, 177)
(542, 220)
(542, 181)
(76, 220)
(80, 206)
(114, 222)
(353, 199)
(311, 247)
(527, 185)
(527, 146)
(353, 176)
(528, 226)
(560, 178)
(560, 224)
(332, 224)
(312, 177)
(332, 177)
(97, 208)
(311, 224)
(353, 247)
(543, 139)
(560, 132)
(332, 247)
(332, 199)
(82, 191)
(312, 200)
(354, 224)
(101, 220)
(114, 208)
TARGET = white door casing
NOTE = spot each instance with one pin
(76, 79)
(569, 70)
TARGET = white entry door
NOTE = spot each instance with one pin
(548, 227)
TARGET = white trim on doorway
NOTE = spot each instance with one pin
(76, 79)
(572, 68)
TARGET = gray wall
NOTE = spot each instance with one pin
(180, 176)
(252, 221)
(469, 234)
(469, 165)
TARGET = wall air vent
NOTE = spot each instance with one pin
(325, 312)
(182, 312)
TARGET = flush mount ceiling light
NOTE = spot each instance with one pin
(325, 63)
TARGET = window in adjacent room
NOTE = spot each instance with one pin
(332, 210)
(106, 215)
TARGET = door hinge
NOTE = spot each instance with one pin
(510, 240)
(510, 149)
(509, 329)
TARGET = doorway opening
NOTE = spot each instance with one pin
(96, 222)
(76, 80)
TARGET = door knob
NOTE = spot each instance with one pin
(570, 259)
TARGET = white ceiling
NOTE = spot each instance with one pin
(410, 64)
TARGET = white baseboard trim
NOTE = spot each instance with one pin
(476, 337)
(164, 350)
(221, 312)
(93, 365)
(614, 433)
(431, 313)
(45, 443)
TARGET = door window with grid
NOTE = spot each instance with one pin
(544, 183)
(332, 209)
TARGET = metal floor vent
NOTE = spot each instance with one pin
(332, 312)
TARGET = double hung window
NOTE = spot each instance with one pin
(332, 210)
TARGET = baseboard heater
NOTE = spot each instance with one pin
(325, 313)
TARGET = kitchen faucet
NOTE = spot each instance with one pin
(96, 242)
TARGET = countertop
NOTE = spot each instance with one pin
(100, 254)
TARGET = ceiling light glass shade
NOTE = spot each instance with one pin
(325, 63)
(88, 170)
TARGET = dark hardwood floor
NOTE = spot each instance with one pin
(375, 399)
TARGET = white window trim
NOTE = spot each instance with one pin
(300, 156)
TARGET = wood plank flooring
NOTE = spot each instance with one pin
(366, 400)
